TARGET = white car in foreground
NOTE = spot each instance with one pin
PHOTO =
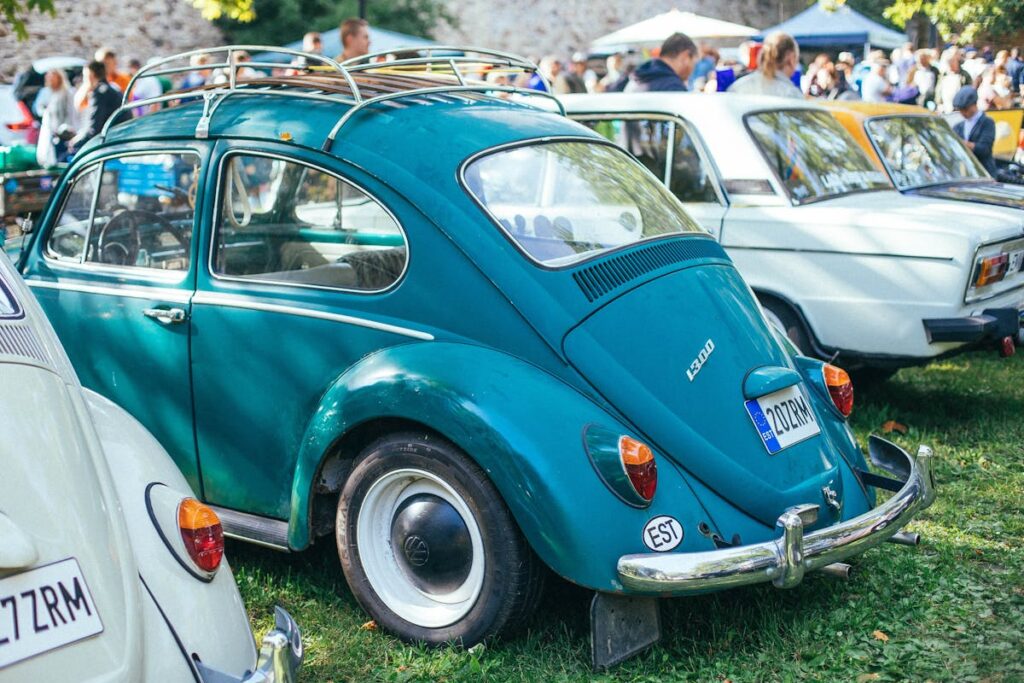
(841, 261)
(109, 569)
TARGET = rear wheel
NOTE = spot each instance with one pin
(429, 548)
(788, 322)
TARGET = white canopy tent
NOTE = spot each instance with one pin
(652, 32)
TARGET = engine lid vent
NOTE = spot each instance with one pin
(19, 340)
(598, 279)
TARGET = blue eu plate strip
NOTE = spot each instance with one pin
(763, 428)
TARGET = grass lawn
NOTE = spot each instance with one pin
(949, 610)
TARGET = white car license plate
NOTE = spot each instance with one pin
(1016, 260)
(43, 609)
(783, 418)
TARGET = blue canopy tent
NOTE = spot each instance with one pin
(828, 24)
(380, 40)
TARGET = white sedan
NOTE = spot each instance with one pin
(110, 570)
(840, 260)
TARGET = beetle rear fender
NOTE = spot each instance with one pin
(523, 426)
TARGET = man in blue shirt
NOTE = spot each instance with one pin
(977, 130)
(1015, 69)
(670, 70)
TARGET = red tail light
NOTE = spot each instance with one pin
(27, 121)
(638, 461)
(840, 388)
(990, 270)
(202, 533)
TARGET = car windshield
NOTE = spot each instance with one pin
(812, 155)
(563, 202)
(922, 150)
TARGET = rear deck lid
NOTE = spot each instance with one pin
(675, 354)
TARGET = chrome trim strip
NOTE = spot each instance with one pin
(166, 294)
(784, 560)
(216, 224)
(236, 301)
(270, 533)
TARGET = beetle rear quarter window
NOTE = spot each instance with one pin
(563, 202)
(812, 155)
(286, 222)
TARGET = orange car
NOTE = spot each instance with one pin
(921, 154)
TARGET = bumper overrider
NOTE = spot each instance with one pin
(785, 560)
(279, 659)
(993, 325)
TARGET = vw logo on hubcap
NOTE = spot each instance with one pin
(416, 551)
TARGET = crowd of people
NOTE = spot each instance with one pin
(966, 80)
(70, 115)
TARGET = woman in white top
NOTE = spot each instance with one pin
(776, 65)
(60, 118)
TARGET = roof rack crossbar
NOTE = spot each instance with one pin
(232, 66)
(314, 64)
(483, 88)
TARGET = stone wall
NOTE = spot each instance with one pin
(538, 27)
(142, 28)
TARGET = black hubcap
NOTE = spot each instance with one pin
(431, 543)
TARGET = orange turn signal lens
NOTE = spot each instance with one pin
(840, 388)
(202, 533)
(992, 269)
(638, 461)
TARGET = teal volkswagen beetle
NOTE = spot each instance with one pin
(467, 338)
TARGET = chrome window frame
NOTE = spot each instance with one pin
(782, 184)
(156, 275)
(215, 224)
(676, 120)
(596, 140)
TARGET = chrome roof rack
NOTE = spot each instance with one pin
(325, 79)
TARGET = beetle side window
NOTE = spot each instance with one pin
(283, 221)
(145, 211)
(67, 239)
(648, 141)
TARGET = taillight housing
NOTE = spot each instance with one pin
(638, 462)
(991, 269)
(840, 388)
(202, 534)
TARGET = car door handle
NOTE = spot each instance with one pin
(166, 316)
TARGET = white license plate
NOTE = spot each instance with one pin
(1016, 260)
(43, 609)
(783, 418)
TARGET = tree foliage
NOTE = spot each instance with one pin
(281, 21)
(16, 11)
(968, 18)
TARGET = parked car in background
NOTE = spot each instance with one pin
(464, 338)
(850, 268)
(921, 154)
(110, 569)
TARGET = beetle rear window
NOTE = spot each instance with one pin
(8, 304)
(813, 156)
(563, 202)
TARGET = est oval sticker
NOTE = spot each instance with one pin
(663, 533)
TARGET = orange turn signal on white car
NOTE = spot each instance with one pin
(202, 533)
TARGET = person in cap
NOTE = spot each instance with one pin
(977, 129)
(670, 70)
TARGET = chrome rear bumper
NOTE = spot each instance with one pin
(279, 659)
(784, 560)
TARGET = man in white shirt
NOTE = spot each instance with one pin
(876, 87)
